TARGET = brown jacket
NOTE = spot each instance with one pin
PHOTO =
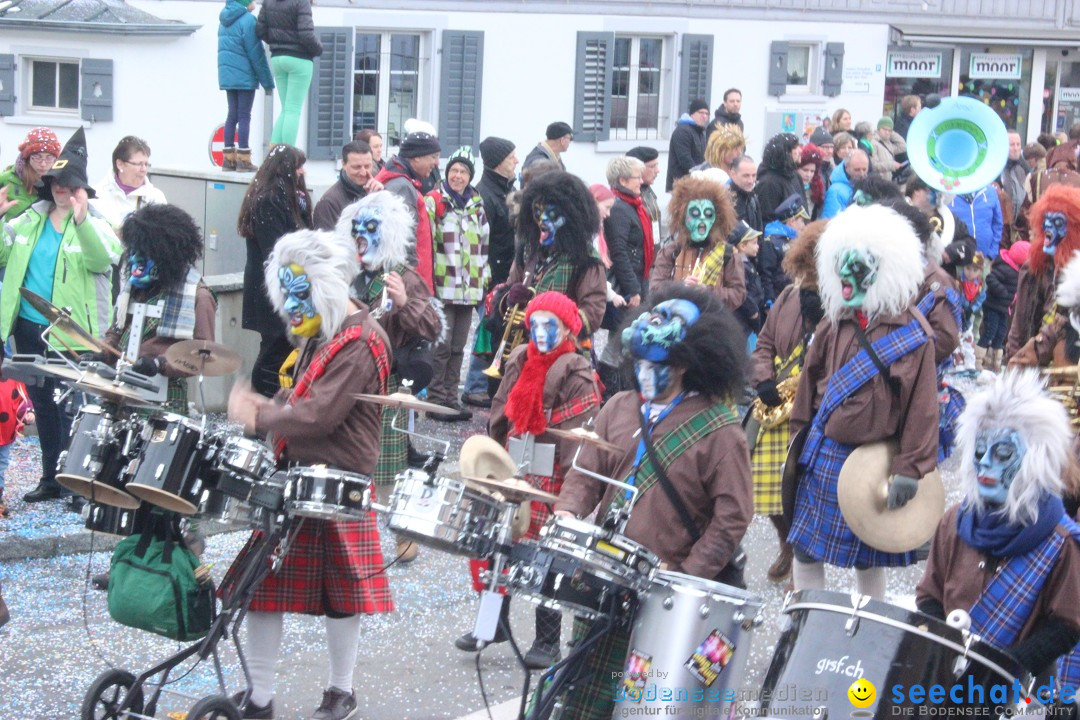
(732, 286)
(1047, 348)
(590, 293)
(946, 331)
(1034, 298)
(875, 412)
(330, 426)
(416, 318)
(956, 575)
(712, 476)
(784, 329)
(205, 310)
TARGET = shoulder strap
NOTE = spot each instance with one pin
(864, 342)
(669, 488)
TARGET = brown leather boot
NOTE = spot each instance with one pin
(781, 567)
(243, 161)
(229, 163)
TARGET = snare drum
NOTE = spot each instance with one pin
(827, 643)
(689, 646)
(444, 514)
(244, 457)
(324, 493)
(93, 465)
(227, 511)
(577, 567)
(114, 521)
(170, 467)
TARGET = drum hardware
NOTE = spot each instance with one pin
(616, 518)
(531, 457)
(317, 492)
(60, 320)
(403, 400)
(446, 514)
(858, 602)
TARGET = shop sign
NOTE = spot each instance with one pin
(995, 66)
(1067, 94)
(910, 64)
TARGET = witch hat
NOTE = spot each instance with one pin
(69, 170)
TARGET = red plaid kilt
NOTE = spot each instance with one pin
(331, 562)
(540, 512)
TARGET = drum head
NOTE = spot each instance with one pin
(97, 491)
(162, 499)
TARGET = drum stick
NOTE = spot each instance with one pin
(71, 350)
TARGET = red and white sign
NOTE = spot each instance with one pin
(217, 145)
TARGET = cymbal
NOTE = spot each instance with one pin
(64, 323)
(482, 456)
(515, 489)
(862, 491)
(210, 358)
(403, 400)
(97, 385)
(61, 372)
(586, 436)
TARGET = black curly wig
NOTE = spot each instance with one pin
(168, 236)
(919, 222)
(569, 194)
(713, 354)
(777, 154)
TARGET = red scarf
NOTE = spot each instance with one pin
(646, 224)
(425, 260)
(862, 319)
(525, 403)
(971, 289)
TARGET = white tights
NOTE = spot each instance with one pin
(811, 576)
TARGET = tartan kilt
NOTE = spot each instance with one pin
(818, 527)
(540, 512)
(951, 404)
(393, 445)
(331, 563)
(593, 695)
(767, 462)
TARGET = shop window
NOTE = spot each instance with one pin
(1000, 77)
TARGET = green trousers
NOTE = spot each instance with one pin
(292, 76)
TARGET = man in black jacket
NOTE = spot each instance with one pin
(354, 182)
(500, 161)
(743, 179)
(728, 113)
(556, 141)
(687, 146)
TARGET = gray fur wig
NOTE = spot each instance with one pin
(397, 228)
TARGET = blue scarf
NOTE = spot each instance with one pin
(989, 531)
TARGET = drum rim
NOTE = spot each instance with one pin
(617, 539)
(326, 472)
(466, 490)
(177, 504)
(586, 554)
(98, 492)
(451, 546)
(301, 508)
(744, 597)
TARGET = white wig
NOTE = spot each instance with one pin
(885, 234)
(1068, 292)
(331, 264)
(1017, 401)
(396, 231)
(716, 175)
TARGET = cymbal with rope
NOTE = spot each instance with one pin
(403, 400)
(204, 357)
(514, 489)
(64, 323)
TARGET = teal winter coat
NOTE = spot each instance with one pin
(241, 59)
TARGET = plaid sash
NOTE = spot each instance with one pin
(317, 367)
(675, 442)
(558, 275)
(950, 402)
(177, 313)
(373, 294)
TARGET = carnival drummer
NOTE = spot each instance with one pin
(688, 359)
(334, 568)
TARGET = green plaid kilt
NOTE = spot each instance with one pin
(393, 445)
(767, 462)
(593, 696)
(176, 400)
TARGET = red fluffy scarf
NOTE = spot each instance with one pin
(525, 403)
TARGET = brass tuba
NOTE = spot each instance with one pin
(770, 417)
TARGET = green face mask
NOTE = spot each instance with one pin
(700, 216)
(857, 272)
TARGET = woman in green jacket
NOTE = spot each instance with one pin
(37, 153)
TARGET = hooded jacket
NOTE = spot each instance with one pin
(981, 213)
(1000, 286)
(774, 187)
(839, 194)
(774, 246)
(241, 59)
(288, 28)
(686, 149)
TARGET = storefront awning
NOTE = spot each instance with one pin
(939, 35)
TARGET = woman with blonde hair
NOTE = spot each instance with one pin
(726, 145)
(841, 121)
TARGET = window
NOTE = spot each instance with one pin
(386, 81)
(54, 85)
(800, 68)
(636, 78)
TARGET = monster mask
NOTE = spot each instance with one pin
(366, 231)
(1054, 228)
(143, 271)
(700, 216)
(654, 333)
(547, 331)
(550, 218)
(296, 287)
(998, 456)
(858, 271)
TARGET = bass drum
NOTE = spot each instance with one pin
(688, 648)
(829, 640)
(112, 520)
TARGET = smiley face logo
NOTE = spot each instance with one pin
(862, 693)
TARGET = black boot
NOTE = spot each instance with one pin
(545, 648)
(468, 642)
(45, 490)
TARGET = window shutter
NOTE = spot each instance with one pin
(778, 68)
(7, 85)
(833, 77)
(96, 103)
(330, 95)
(695, 79)
(592, 85)
(461, 82)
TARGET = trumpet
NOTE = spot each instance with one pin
(707, 269)
(513, 335)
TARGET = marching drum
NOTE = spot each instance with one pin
(114, 521)
(94, 463)
(689, 646)
(577, 566)
(239, 463)
(829, 640)
(321, 493)
(170, 467)
(444, 514)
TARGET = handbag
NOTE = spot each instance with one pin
(152, 586)
(414, 361)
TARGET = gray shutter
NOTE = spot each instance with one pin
(592, 85)
(96, 101)
(7, 85)
(330, 95)
(778, 68)
(833, 77)
(695, 79)
(462, 80)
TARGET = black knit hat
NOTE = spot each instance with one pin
(419, 144)
(643, 153)
(493, 150)
(69, 170)
(557, 130)
(698, 104)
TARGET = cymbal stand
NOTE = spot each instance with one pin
(616, 518)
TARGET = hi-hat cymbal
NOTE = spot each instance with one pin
(96, 385)
(202, 356)
(586, 436)
(61, 372)
(65, 324)
(862, 491)
(403, 400)
(515, 489)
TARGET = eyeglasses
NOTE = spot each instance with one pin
(140, 165)
(43, 158)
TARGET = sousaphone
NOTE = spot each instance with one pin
(959, 146)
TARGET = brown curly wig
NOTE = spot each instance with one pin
(1065, 200)
(691, 188)
(799, 263)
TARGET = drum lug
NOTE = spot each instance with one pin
(851, 626)
(960, 665)
(703, 611)
(669, 602)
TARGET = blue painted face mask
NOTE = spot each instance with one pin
(295, 285)
(546, 330)
(998, 457)
(550, 219)
(366, 231)
(653, 379)
(654, 333)
(1054, 228)
(143, 271)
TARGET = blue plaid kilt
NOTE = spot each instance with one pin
(951, 404)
